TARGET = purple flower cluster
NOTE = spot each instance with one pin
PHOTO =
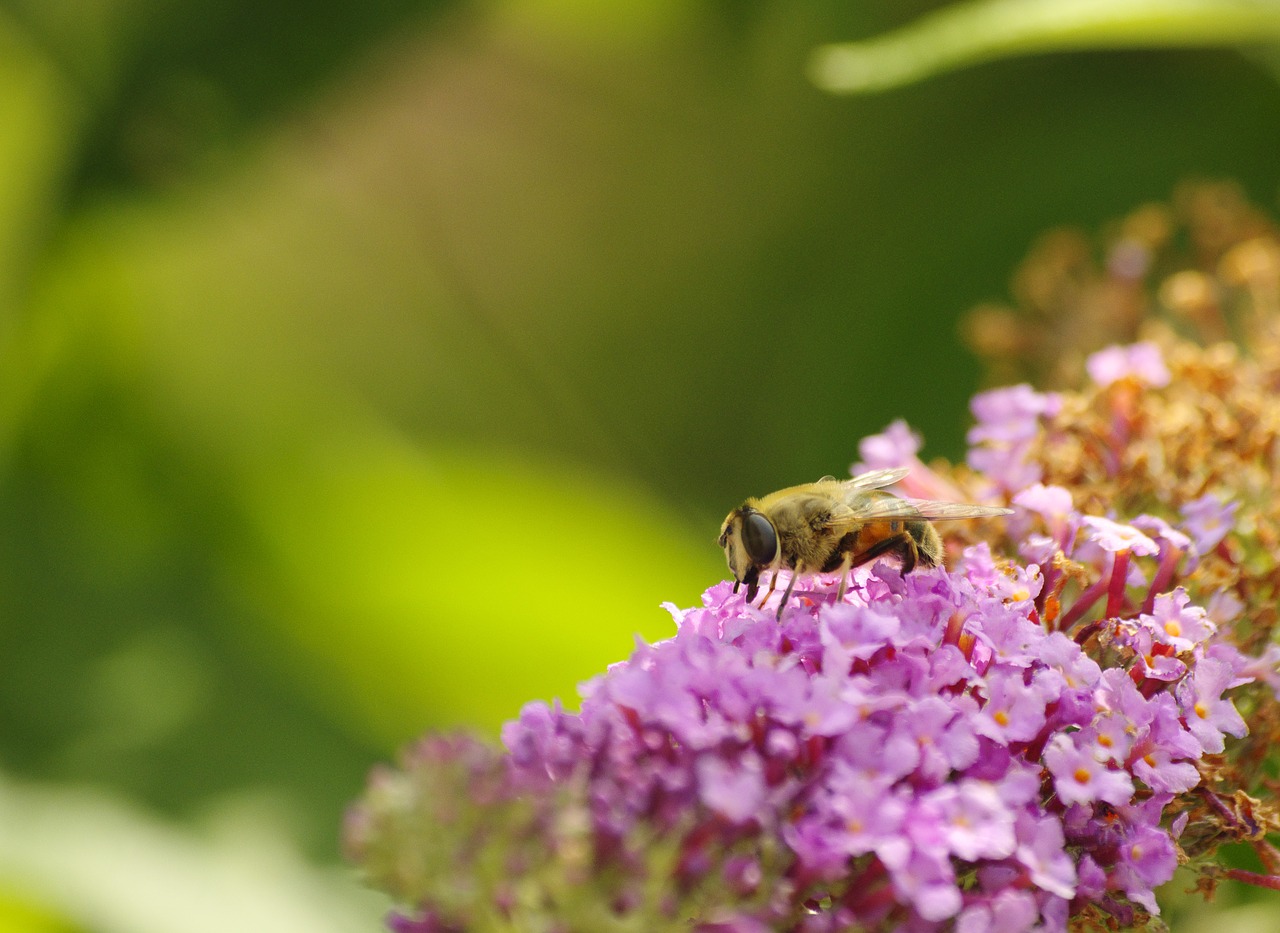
(975, 749)
(922, 754)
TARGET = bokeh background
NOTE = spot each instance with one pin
(370, 367)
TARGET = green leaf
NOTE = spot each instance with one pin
(969, 33)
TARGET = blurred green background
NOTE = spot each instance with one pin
(370, 367)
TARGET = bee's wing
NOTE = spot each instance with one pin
(876, 479)
(947, 511)
(887, 508)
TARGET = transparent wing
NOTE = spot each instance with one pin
(876, 479)
(888, 509)
(946, 511)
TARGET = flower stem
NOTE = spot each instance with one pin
(1115, 588)
(1253, 878)
(1090, 596)
(1169, 557)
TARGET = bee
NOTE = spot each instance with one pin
(835, 525)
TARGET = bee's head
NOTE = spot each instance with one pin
(750, 545)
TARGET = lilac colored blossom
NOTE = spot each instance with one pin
(1147, 859)
(944, 740)
(899, 446)
(1163, 751)
(1116, 692)
(1162, 532)
(1224, 607)
(1039, 550)
(1091, 878)
(1232, 657)
(861, 811)
(1208, 519)
(1052, 503)
(1208, 714)
(1114, 537)
(1055, 510)
(925, 879)
(734, 789)
(976, 822)
(1041, 850)
(1007, 912)
(1009, 420)
(1152, 662)
(1141, 362)
(1079, 777)
(1014, 711)
(1176, 623)
(1011, 413)
(1078, 669)
(1179, 825)
(1139, 853)
(1111, 737)
(1266, 669)
(896, 446)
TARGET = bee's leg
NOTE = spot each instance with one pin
(845, 567)
(795, 575)
(901, 544)
(910, 553)
(773, 582)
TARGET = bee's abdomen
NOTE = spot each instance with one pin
(928, 543)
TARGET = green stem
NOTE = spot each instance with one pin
(985, 30)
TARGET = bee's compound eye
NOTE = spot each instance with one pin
(758, 538)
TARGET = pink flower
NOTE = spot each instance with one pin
(1114, 537)
(1008, 421)
(1079, 777)
(1208, 519)
(1208, 714)
(899, 446)
(1176, 623)
(896, 446)
(1141, 362)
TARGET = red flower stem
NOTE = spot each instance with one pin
(1253, 878)
(1084, 603)
(1269, 855)
(1051, 575)
(1169, 557)
(1115, 591)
